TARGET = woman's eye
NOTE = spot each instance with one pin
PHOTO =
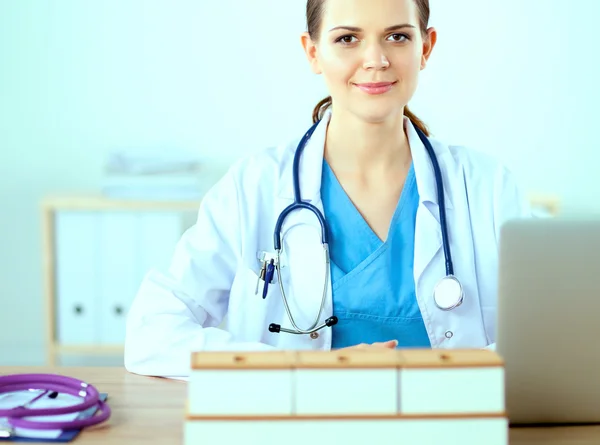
(399, 37)
(346, 39)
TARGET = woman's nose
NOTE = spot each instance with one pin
(375, 58)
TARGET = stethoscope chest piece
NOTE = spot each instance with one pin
(448, 293)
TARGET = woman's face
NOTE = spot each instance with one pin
(370, 53)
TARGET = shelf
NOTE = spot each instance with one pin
(88, 349)
(88, 229)
(99, 202)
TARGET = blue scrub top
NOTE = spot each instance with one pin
(373, 284)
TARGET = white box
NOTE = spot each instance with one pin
(344, 397)
(463, 431)
(346, 382)
(230, 384)
(451, 382)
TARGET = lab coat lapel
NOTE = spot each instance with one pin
(304, 274)
(311, 165)
(428, 234)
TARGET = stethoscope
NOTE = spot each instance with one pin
(49, 385)
(448, 293)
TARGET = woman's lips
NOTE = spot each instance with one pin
(375, 88)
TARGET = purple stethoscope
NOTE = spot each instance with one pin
(19, 417)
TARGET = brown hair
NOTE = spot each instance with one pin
(314, 16)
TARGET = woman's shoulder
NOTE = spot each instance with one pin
(472, 162)
(265, 164)
(469, 157)
(487, 175)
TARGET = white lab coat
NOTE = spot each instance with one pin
(214, 268)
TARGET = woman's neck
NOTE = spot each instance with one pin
(360, 149)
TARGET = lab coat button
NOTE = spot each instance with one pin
(314, 335)
(449, 334)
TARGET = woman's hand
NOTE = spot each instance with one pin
(391, 344)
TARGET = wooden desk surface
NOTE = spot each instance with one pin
(147, 410)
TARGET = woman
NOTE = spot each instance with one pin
(367, 169)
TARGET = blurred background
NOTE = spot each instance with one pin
(117, 116)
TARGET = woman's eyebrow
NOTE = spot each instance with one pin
(356, 29)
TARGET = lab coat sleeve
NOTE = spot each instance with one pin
(509, 203)
(179, 311)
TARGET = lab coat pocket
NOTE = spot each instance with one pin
(248, 312)
(256, 290)
(489, 314)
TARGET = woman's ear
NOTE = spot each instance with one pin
(310, 49)
(428, 44)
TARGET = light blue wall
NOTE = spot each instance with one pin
(79, 78)
(519, 79)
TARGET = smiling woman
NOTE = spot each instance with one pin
(407, 253)
(402, 33)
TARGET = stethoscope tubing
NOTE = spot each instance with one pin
(52, 383)
(298, 204)
(441, 201)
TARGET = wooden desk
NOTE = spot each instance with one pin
(149, 411)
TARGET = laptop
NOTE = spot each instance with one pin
(548, 322)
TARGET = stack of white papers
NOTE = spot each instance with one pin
(151, 162)
(164, 175)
